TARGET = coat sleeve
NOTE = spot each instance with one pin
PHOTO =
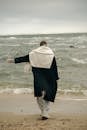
(55, 69)
(22, 59)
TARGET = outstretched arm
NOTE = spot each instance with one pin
(19, 59)
(22, 59)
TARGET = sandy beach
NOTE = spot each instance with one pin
(20, 112)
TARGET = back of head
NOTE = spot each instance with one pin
(42, 43)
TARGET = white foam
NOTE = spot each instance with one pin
(30, 43)
(30, 91)
(66, 91)
(16, 91)
(82, 46)
(58, 38)
(63, 44)
(48, 38)
(79, 60)
(12, 38)
(23, 90)
(9, 45)
(14, 45)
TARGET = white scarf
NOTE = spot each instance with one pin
(41, 57)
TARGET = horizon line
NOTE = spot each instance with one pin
(18, 34)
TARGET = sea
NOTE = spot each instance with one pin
(71, 55)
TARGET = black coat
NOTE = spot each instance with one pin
(44, 79)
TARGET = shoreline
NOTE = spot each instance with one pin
(27, 104)
(21, 112)
(64, 92)
(9, 121)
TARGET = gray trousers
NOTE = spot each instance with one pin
(44, 106)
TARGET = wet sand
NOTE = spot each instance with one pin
(21, 112)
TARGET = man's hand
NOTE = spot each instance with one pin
(10, 60)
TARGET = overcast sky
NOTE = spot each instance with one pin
(42, 16)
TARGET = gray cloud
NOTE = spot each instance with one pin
(49, 13)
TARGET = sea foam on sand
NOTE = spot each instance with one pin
(17, 91)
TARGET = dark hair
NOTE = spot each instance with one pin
(42, 43)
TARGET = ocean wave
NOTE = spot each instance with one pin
(58, 38)
(7, 38)
(73, 92)
(82, 46)
(30, 43)
(11, 38)
(82, 61)
(47, 38)
(62, 44)
(67, 92)
(9, 45)
(3, 57)
(16, 91)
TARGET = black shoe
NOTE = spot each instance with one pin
(44, 118)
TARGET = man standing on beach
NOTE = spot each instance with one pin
(44, 68)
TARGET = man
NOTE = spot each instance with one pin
(44, 68)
